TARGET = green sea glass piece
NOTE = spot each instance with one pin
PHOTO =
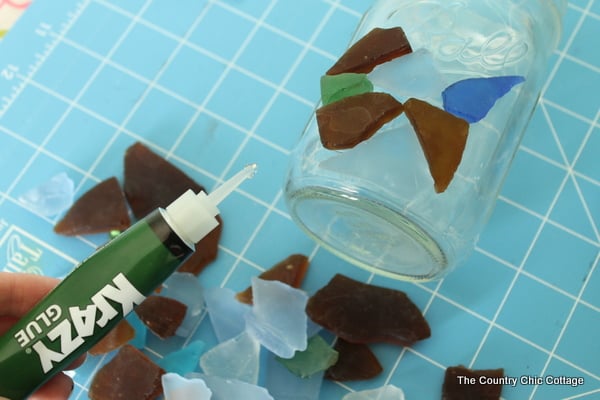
(317, 357)
(337, 87)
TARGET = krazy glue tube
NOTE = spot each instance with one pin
(104, 288)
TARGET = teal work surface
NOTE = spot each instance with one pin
(214, 85)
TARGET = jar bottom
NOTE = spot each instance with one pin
(367, 234)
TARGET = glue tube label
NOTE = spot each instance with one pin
(87, 304)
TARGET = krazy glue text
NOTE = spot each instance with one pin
(83, 319)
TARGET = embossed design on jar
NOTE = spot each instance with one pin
(455, 33)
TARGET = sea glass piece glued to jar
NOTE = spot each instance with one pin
(337, 87)
(442, 136)
(472, 99)
(346, 123)
(376, 47)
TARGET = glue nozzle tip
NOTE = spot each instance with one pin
(232, 183)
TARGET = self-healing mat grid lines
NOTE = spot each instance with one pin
(213, 85)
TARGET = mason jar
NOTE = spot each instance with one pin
(374, 204)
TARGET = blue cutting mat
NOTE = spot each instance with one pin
(214, 85)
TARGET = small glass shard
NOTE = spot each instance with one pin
(151, 182)
(291, 271)
(179, 388)
(278, 320)
(455, 389)
(101, 209)
(387, 392)
(186, 288)
(129, 375)
(183, 361)
(376, 47)
(442, 136)
(471, 99)
(363, 313)
(162, 315)
(284, 385)
(122, 333)
(346, 123)
(337, 87)
(237, 358)
(355, 362)
(51, 197)
(317, 357)
(225, 312)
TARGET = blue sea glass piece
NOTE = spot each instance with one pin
(186, 288)
(51, 197)
(176, 387)
(185, 360)
(228, 389)
(278, 319)
(471, 99)
(225, 312)
(237, 358)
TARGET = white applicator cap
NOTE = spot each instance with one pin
(192, 216)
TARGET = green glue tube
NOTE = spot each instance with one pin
(104, 288)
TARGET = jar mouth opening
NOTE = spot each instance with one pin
(368, 234)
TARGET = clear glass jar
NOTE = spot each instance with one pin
(374, 205)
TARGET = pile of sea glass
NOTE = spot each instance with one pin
(272, 323)
(270, 337)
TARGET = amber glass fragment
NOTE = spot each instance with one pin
(376, 47)
(291, 271)
(101, 209)
(129, 375)
(162, 315)
(363, 313)
(355, 362)
(461, 383)
(349, 121)
(442, 137)
(152, 182)
(117, 337)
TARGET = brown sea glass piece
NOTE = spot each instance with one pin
(101, 209)
(442, 136)
(363, 313)
(291, 271)
(461, 383)
(151, 182)
(129, 375)
(122, 333)
(347, 122)
(162, 315)
(355, 362)
(376, 47)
